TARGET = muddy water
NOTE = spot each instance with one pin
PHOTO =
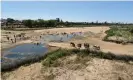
(21, 53)
(29, 49)
(24, 50)
(59, 37)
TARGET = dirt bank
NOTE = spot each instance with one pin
(95, 69)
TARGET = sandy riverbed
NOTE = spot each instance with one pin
(97, 69)
(93, 39)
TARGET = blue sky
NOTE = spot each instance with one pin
(69, 11)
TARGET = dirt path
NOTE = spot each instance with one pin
(113, 47)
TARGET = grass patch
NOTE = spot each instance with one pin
(51, 59)
(53, 56)
(123, 32)
(83, 56)
(13, 64)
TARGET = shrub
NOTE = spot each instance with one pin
(53, 56)
(124, 32)
(131, 31)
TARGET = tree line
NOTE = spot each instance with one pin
(57, 23)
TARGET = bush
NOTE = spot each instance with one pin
(124, 32)
(131, 31)
(53, 56)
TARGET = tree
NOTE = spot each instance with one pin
(41, 22)
(51, 23)
(67, 23)
(92, 23)
(58, 19)
(105, 22)
(35, 23)
(10, 20)
(28, 23)
(61, 22)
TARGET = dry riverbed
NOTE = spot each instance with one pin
(96, 69)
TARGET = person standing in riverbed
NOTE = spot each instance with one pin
(61, 39)
(8, 38)
(14, 36)
(15, 40)
(67, 35)
(12, 40)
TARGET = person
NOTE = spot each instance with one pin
(12, 40)
(61, 39)
(8, 38)
(15, 40)
(67, 35)
(14, 36)
(37, 43)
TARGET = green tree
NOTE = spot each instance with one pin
(51, 23)
(35, 23)
(58, 19)
(41, 22)
(28, 23)
(10, 20)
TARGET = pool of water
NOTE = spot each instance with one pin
(59, 37)
(29, 51)
(24, 51)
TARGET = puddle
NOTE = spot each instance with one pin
(24, 51)
(60, 37)
(29, 49)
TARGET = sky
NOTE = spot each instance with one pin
(77, 11)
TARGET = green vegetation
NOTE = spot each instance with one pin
(52, 23)
(52, 58)
(6, 66)
(126, 33)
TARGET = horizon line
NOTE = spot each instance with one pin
(71, 20)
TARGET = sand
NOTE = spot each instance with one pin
(94, 39)
(97, 69)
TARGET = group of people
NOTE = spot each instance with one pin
(15, 37)
(13, 40)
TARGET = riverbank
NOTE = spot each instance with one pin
(78, 66)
